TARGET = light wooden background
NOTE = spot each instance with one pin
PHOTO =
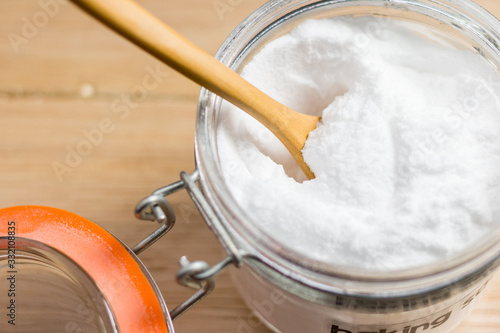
(64, 78)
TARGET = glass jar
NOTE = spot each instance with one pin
(291, 292)
(105, 287)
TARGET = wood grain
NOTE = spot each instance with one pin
(72, 74)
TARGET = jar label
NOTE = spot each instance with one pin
(437, 322)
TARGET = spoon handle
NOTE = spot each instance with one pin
(158, 39)
(146, 31)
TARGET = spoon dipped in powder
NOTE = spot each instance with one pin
(146, 31)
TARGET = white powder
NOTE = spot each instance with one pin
(407, 157)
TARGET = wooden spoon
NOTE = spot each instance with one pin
(149, 33)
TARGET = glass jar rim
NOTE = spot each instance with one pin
(306, 270)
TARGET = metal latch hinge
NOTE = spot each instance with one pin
(199, 274)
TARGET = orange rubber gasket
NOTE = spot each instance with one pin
(117, 274)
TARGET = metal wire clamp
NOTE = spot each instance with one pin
(198, 275)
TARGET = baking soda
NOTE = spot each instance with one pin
(406, 157)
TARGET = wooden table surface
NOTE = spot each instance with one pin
(66, 75)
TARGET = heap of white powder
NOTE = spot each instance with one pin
(406, 158)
